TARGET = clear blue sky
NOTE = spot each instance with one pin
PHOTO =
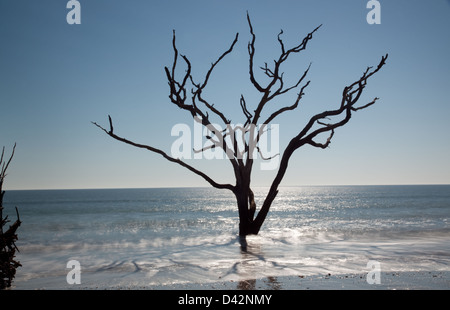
(56, 78)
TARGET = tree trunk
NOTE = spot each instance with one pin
(244, 219)
(248, 225)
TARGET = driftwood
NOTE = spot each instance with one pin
(8, 248)
(188, 95)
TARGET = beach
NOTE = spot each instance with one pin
(420, 280)
(315, 238)
(390, 281)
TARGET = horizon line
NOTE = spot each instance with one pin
(177, 187)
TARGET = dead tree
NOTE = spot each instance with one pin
(8, 264)
(187, 94)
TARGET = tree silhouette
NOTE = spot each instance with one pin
(8, 264)
(239, 155)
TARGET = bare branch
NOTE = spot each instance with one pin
(197, 94)
(266, 158)
(218, 60)
(178, 90)
(247, 114)
(300, 47)
(169, 158)
(276, 76)
(267, 71)
(297, 84)
(199, 87)
(5, 165)
(251, 53)
(322, 145)
(365, 106)
(213, 144)
(178, 95)
(281, 42)
(346, 107)
(111, 128)
(209, 147)
(288, 108)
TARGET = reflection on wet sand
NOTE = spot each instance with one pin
(270, 282)
(249, 253)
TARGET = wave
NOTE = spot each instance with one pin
(204, 259)
(193, 238)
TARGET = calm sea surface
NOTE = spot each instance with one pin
(151, 237)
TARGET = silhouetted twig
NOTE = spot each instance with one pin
(8, 248)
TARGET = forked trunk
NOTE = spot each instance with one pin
(248, 224)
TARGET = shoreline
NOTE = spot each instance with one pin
(409, 280)
(405, 280)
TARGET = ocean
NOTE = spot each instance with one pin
(149, 238)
